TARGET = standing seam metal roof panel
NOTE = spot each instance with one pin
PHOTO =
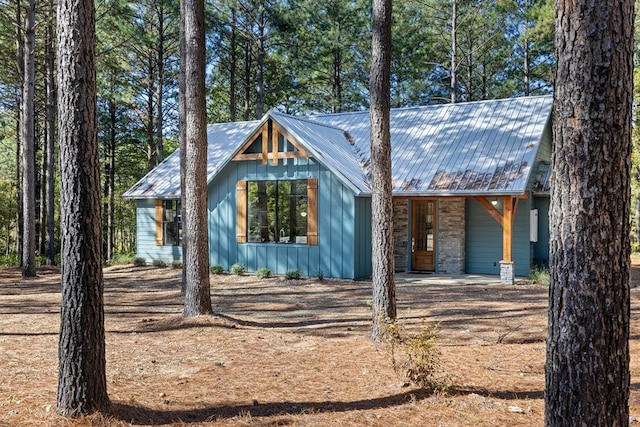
(485, 147)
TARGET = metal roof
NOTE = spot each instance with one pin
(330, 146)
(485, 147)
(164, 180)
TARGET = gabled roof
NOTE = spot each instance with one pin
(485, 147)
(475, 148)
(331, 147)
(164, 180)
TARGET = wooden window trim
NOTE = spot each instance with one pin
(312, 211)
(312, 206)
(241, 218)
(158, 220)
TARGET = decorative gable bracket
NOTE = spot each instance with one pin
(265, 144)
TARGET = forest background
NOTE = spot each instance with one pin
(297, 56)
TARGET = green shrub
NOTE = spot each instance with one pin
(263, 273)
(292, 274)
(320, 274)
(120, 259)
(237, 269)
(420, 363)
(176, 264)
(10, 260)
(539, 276)
(423, 358)
(216, 269)
(159, 263)
(139, 261)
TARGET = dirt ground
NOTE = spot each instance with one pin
(284, 353)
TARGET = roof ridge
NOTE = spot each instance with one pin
(434, 105)
(308, 119)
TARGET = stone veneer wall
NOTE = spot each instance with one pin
(451, 235)
(401, 234)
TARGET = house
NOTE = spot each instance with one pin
(470, 192)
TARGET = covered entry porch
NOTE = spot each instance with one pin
(458, 235)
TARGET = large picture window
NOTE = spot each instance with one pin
(277, 211)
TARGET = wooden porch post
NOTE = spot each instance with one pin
(507, 276)
(505, 219)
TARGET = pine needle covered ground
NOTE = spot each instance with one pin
(282, 352)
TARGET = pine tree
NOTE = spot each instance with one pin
(587, 368)
(82, 385)
(383, 280)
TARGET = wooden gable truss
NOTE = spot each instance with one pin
(269, 135)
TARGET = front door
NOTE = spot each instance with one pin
(423, 235)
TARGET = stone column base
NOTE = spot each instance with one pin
(507, 276)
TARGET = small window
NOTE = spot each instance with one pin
(168, 223)
(277, 211)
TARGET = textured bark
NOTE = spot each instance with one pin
(384, 298)
(82, 386)
(110, 172)
(182, 138)
(28, 146)
(261, 21)
(197, 298)
(454, 51)
(234, 64)
(160, 84)
(51, 136)
(587, 368)
(19, 115)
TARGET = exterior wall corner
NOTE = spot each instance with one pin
(401, 234)
(451, 236)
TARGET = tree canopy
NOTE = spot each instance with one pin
(297, 56)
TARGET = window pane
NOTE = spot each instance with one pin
(257, 214)
(277, 211)
(171, 222)
(301, 207)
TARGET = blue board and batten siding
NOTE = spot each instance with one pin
(146, 237)
(343, 249)
(483, 239)
(541, 247)
(541, 200)
(483, 136)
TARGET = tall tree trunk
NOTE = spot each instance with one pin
(28, 146)
(197, 299)
(383, 280)
(82, 385)
(587, 368)
(160, 85)
(42, 220)
(51, 137)
(234, 64)
(151, 140)
(247, 79)
(525, 59)
(336, 105)
(109, 179)
(260, 62)
(470, 64)
(182, 137)
(19, 118)
(454, 51)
